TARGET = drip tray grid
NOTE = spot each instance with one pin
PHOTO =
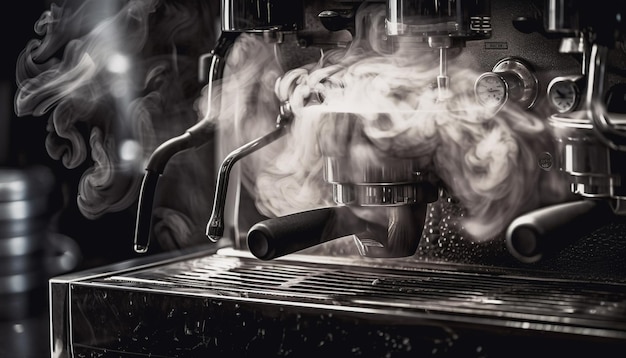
(491, 298)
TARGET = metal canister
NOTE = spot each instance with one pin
(29, 252)
(594, 170)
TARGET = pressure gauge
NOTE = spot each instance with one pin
(511, 79)
(564, 93)
(491, 90)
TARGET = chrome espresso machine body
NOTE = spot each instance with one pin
(408, 249)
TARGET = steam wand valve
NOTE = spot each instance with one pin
(215, 227)
(193, 137)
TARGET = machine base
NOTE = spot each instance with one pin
(229, 302)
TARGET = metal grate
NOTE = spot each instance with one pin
(512, 300)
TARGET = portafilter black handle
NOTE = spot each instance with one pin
(547, 230)
(284, 235)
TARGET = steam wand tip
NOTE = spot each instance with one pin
(141, 249)
(443, 88)
(214, 231)
(144, 211)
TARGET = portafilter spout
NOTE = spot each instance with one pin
(193, 137)
(215, 227)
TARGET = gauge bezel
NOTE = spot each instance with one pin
(505, 86)
(564, 80)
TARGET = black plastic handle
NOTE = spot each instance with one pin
(545, 231)
(284, 235)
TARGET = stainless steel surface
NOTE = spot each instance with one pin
(257, 298)
(492, 298)
(384, 194)
(457, 19)
(59, 291)
(280, 15)
(585, 158)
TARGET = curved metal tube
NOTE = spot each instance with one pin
(193, 137)
(215, 227)
(613, 138)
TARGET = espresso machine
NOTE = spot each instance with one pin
(397, 178)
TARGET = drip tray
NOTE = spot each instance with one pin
(229, 302)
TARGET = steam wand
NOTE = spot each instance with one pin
(193, 137)
(215, 227)
(613, 138)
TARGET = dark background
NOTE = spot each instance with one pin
(22, 144)
(25, 334)
(108, 239)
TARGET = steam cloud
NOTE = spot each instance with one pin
(117, 78)
(487, 161)
(120, 79)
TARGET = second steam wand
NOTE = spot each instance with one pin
(215, 227)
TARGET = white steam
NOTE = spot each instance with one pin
(488, 162)
(116, 78)
(87, 89)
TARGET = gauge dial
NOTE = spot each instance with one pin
(491, 90)
(564, 94)
(511, 79)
